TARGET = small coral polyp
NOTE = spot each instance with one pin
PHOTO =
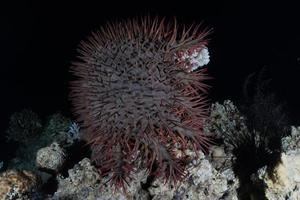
(136, 100)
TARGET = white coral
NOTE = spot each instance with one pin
(199, 59)
(193, 59)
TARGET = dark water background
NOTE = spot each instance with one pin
(38, 42)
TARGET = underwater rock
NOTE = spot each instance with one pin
(225, 122)
(51, 158)
(80, 182)
(203, 182)
(18, 185)
(291, 142)
(34, 135)
(84, 182)
(134, 191)
(283, 182)
(219, 158)
(209, 177)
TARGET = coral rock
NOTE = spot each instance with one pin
(133, 192)
(226, 122)
(291, 142)
(17, 184)
(51, 158)
(84, 181)
(284, 181)
(79, 184)
(203, 182)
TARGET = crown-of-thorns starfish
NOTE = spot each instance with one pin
(137, 97)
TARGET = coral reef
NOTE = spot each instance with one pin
(211, 176)
(225, 122)
(83, 182)
(292, 141)
(134, 191)
(80, 184)
(51, 158)
(283, 181)
(56, 129)
(254, 146)
(203, 182)
(138, 94)
(18, 185)
(24, 126)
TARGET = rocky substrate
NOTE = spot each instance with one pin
(210, 176)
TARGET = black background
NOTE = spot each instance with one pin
(39, 40)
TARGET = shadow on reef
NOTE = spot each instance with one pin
(250, 158)
(78, 151)
(267, 124)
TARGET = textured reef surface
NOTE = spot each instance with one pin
(57, 174)
(143, 128)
